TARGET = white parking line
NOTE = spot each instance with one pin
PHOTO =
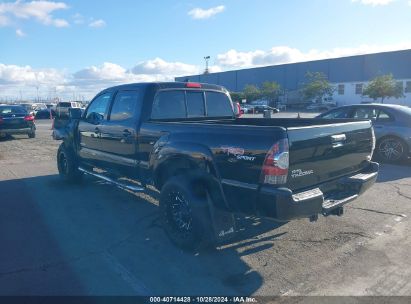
(137, 285)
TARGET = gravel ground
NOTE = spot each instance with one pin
(94, 239)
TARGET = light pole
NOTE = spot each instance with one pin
(206, 58)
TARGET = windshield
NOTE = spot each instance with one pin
(64, 105)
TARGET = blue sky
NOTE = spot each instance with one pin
(78, 47)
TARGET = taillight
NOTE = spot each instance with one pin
(193, 85)
(1, 120)
(239, 109)
(29, 118)
(373, 143)
(276, 163)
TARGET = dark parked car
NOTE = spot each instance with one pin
(392, 127)
(45, 114)
(247, 108)
(262, 108)
(185, 139)
(16, 120)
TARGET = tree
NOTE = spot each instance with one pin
(270, 91)
(237, 96)
(316, 87)
(251, 92)
(383, 87)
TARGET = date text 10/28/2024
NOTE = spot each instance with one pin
(203, 300)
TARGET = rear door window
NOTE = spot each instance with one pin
(338, 113)
(195, 104)
(169, 105)
(384, 117)
(365, 113)
(125, 106)
(218, 105)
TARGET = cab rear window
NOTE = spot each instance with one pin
(218, 104)
(179, 104)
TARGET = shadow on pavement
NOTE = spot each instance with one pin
(95, 239)
(29, 248)
(392, 172)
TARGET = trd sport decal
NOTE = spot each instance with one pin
(238, 153)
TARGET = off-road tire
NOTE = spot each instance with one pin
(185, 216)
(67, 165)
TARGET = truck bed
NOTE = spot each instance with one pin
(320, 150)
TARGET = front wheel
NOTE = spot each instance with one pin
(184, 215)
(67, 164)
(391, 149)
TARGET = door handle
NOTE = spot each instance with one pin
(377, 127)
(338, 138)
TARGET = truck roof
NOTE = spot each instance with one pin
(165, 85)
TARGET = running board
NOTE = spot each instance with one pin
(112, 181)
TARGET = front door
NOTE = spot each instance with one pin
(90, 148)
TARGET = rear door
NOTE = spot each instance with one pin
(322, 153)
(384, 124)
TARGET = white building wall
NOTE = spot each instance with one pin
(350, 96)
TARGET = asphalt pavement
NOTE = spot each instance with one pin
(95, 239)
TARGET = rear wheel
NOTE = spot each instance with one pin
(32, 134)
(184, 215)
(391, 149)
(67, 164)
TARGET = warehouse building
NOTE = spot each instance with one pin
(349, 75)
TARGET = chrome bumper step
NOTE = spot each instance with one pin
(121, 185)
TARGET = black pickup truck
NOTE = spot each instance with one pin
(185, 139)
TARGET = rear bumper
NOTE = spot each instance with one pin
(16, 131)
(284, 205)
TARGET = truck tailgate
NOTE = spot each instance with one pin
(325, 152)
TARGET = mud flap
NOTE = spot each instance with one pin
(223, 223)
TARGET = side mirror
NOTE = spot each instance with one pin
(75, 113)
(94, 118)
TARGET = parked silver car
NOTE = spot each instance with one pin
(392, 127)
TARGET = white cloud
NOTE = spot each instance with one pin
(20, 33)
(233, 59)
(108, 73)
(162, 67)
(38, 10)
(97, 23)
(4, 21)
(90, 80)
(78, 18)
(374, 2)
(26, 75)
(199, 13)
